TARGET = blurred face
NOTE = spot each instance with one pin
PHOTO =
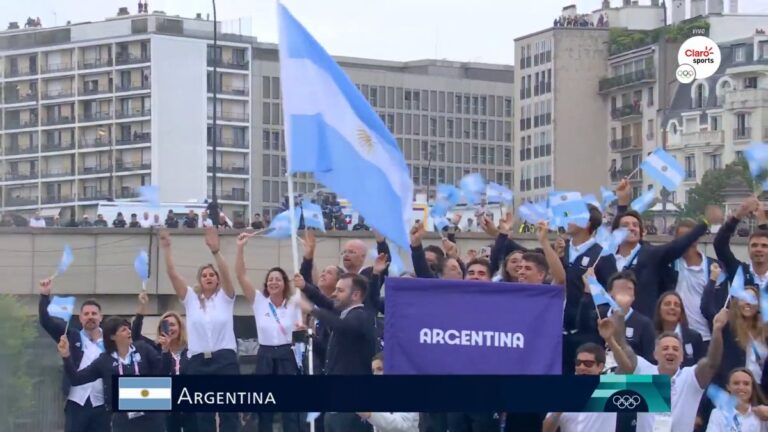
(431, 257)
(669, 353)
(740, 386)
(633, 225)
(353, 255)
(587, 365)
(275, 283)
(478, 272)
(513, 264)
(452, 270)
(123, 336)
(146, 215)
(377, 367)
(208, 280)
(157, 218)
(671, 309)
(529, 273)
(681, 231)
(328, 277)
(747, 310)
(623, 291)
(90, 317)
(204, 214)
(573, 229)
(343, 296)
(758, 250)
(173, 326)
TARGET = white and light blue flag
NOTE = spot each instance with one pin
(449, 194)
(332, 132)
(313, 216)
(644, 201)
(141, 265)
(599, 295)
(62, 307)
(144, 393)
(569, 208)
(608, 196)
(664, 168)
(281, 226)
(472, 186)
(757, 158)
(496, 194)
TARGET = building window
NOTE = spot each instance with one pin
(714, 123)
(750, 82)
(739, 53)
(690, 167)
(700, 96)
(649, 98)
(715, 161)
(742, 126)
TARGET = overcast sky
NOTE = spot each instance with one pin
(464, 30)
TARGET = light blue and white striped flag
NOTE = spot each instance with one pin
(313, 216)
(737, 289)
(664, 168)
(332, 132)
(644, 201)
(615, 240)
(141, 265)
(757, 158)
(62, 307)
(472, 186)
(67, 258)
(532, 213)
(725, 403)
(281, 226)
(599, 296)
(608, 196)
(449, 194)
(144, 393)
(569, 208)
(496, 193)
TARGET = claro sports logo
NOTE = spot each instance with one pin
(698, 58)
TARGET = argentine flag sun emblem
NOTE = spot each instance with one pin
(144, 394)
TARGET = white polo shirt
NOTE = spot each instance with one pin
(94, 390)
(145, 223)
(210, 329)
(686, 394)
(270, 332)
(690, 285)
(37, 223)
(587, 422)
(747, 422)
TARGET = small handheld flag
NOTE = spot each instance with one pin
(615, 240)
(66, 260)
(723, 401)
(664, 168)
(150, 195)
(141, 265)
(313, 216)
(496, 193)
(569, 208)
(757, 158)
(599, 296)
(449, 194)
(738, 291)
(62, 307)
(608, 196)
(281, 226)
(472, 185)
(644, 201)
(533, 213)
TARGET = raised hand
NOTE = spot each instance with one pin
(714, 271)
(143, 301)
(714, 214)
(747, 207)
(450, 248)
(379, 238)
(242, 239)
(310, 244)
(505, 224)
(624, 192)
(380, 264)
(45, 286)
(542, 230)
(417, 234)
(164, 341)
(488, 227)
(720, 320)
(63, 346)
(299, 282)
(560, 246)
(585, 277)
(212, 239)
(165, 239)
(606, 327)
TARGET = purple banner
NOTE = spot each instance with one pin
(435, 326)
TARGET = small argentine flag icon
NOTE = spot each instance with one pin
(144, 394)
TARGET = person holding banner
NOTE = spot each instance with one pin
(84, 410)
(688, 383)
(171, 344)
(744, 388)
(649, 262)
(212, 348)
(124, 357)
(433, 262)
(278, 315)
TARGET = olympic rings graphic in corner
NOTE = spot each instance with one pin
(685, 73)
(626, 402)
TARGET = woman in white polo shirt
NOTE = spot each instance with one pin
(742, 385)
(211, 345)
(278, 315)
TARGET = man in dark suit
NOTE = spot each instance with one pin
(352, 343)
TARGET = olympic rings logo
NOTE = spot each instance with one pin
(626, 402)
(685, 73)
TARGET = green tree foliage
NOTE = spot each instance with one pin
(17, 331)
(622, 40)
(710, 190)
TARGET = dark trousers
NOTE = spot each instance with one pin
(472, 422)
(86, 418)
(181, 422)
(222, 362)
(277, 360)
(346, 422)
(148, 422)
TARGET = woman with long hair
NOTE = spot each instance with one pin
(278, 314)
(211, 344)
(743, 386)
(511, 264)
(122, 356)
(171, 344)
(670, 317)
(744, 339)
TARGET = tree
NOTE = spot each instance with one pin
(17, 331)
(710, 190)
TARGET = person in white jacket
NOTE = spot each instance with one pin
(389, 422)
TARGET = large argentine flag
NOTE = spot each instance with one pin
(332, 132)
(144, 394)
(664, 168)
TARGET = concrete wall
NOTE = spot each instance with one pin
(103, 266)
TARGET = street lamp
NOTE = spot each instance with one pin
(430, 156)
(213, 211)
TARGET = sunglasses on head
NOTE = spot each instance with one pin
(586, 363)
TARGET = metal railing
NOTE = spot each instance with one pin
(230, 170)
(57, 146)
(94, 143)
(122, 59)
(30, 175)
(230, 116)
(57, 173)
(606, 84)
(131, 166)
(128, 194)
(94, 91)
(232, 91)
(139, 138)
(94, 196)
(624, 143)
(95, 64)
(56, 68)
(742, 133)
(54, 121)
(228, 64)
(21, 201)
(91, 170)
(58, 94)
(17, 72)
(13, 150)
(16, 124)
(55, 199)
(94, 117)
(133, 114)
(625, 111)
(235, 195)
(134, 86)
(231, 143)
(11, 98)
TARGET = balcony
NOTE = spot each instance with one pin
(231, 91)
(137, 138)
(57, 147)
(60, 172)
(95, 117)
(14, 150)
(133, 114)
(57, 68)
(618, 175)
(56, 199)
(703, 138)
(235, 195)
(134, 86)
(17, 124)
(17, 72)
(56, 121)
(235, 170)
(746, 98)
(94, 196)
(20, 201)
(29, 175)
(124, 58)
(230, 143)
(228, 63)
(742, 133)
(17, 99)
(95, 143)
(95, 91)
(93, 170)
(627, 111)
(132, 166)
(622, 144)
(240, 117)
(95, 64)
(58, 94)
(128, 193)
(616, 82)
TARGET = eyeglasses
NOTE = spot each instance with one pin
(586, 363)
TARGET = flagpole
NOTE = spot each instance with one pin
(294, 224)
